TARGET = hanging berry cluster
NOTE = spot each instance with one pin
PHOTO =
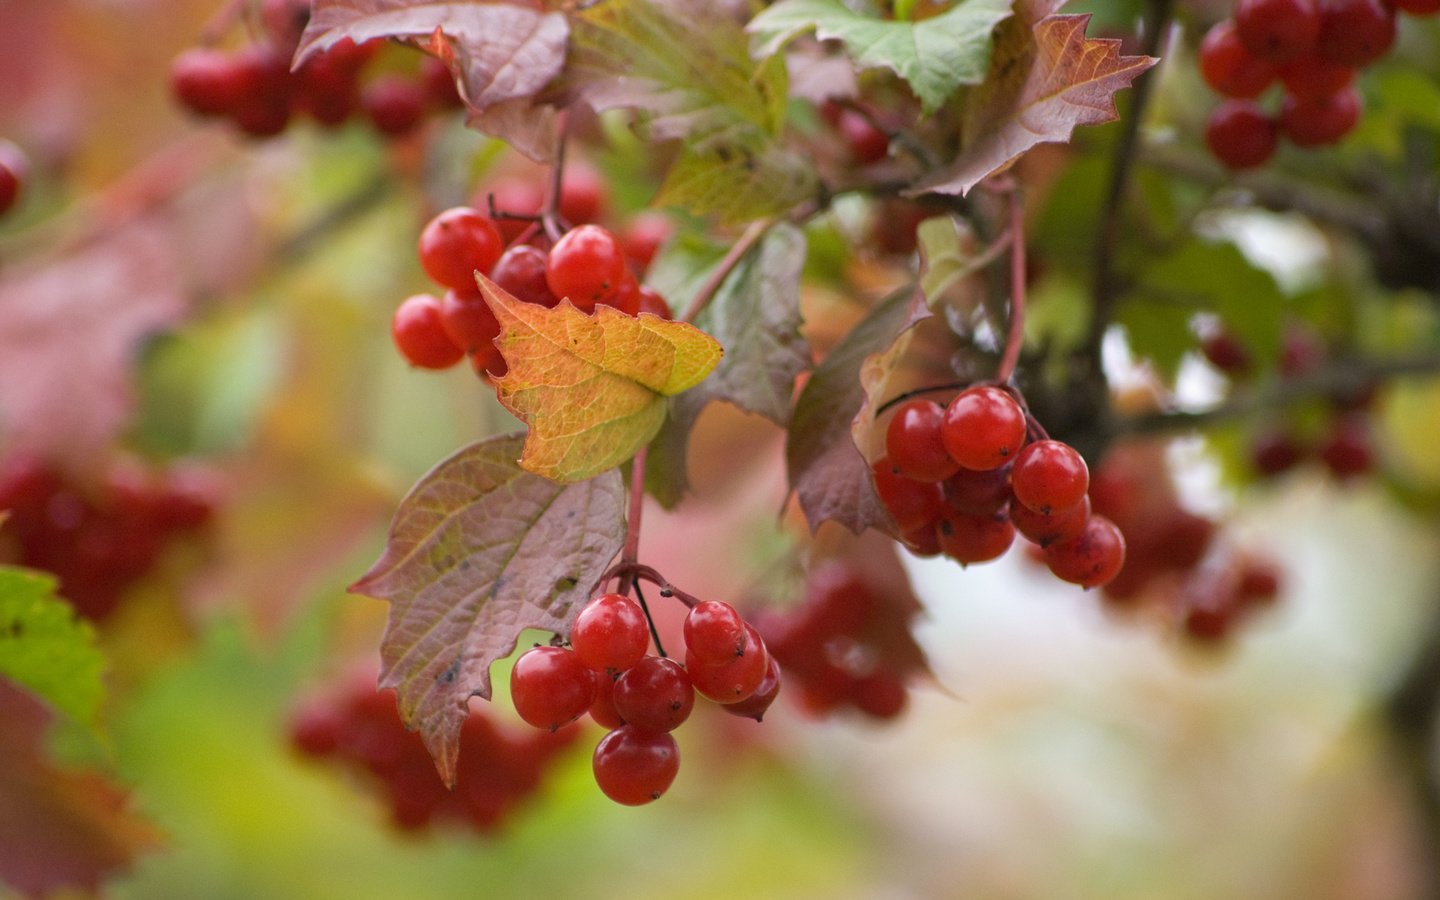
(609, 673)
(254, 88)
(1313, 48)
(360, 728)
(961, 480)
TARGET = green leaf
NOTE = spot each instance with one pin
(935, 56)
(479, 551)
(737, 181)
(47, 649)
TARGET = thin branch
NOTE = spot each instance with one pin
(630, 555)
(748, 239)
(1015, 338)
(649, 620)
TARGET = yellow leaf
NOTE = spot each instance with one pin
(591, 388)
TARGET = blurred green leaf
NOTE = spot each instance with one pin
(47, 649)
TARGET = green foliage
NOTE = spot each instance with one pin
(47, 649)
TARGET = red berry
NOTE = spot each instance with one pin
(735, 680)
(1047, 529)
(1355, 32)
(551, 687)
(13, 171)
(912, 504)
(1240, 135)
(394, 104)
(209, 82)
(1317, 121)
(326, 90)
(582, 193)
(521, 272)
(974, 539)
(912, 442)
(1312, 75)
(611, 633)
(1049, 477)
(651, 302)
(655, 694)
(468, 321)
(603, 710)
(1348, 450)
(264, 107)
(978, 493)
(456, 244)
(439, 84)
(983, 428)
(1275, 452)
(1277, 30)
(643, 237)
(1224, 351)
(714, 633)
(1093, 558)
(755, 705)
(880, 695)
(1229, 68)
(634, 767)
(867, 143)
(419, 333)
(1417, 7)
(586, 267)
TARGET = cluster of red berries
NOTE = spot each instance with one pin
(846, 646)
(1313, 48)
(588, 266)
(360, 728)
(14, 168)
(100, 538)
(1176, 565)
(1344, 444)
(256, 90)
(608, 672)
(961, 480)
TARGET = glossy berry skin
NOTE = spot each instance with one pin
(1240, 135)
(1318, 121)
(1355, 32)
(13, 171)
(983, 428)
(603, 710)
(714, 633)
(419, 334)
(735, 680)
(913, 444)
(1229, 67)
(912, 504)
(456, 244)
(610, 633)
(521, 271)
(974, 539)
(468, 321)
(551, 687)
(634, 767)
(755, 705)
(208, 82)
(655, 694)
(1049, 477)
(1312, 75)
(1277, 30)
(1093, 558)
(394, 105)
(586, 267)
(977, 493)
(1047, 529)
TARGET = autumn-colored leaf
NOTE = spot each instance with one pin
(1045, 78)
(61, 830)
(827, 470)
(935, 56)
(46, 648)
(737, 182)
(69, 335)
(592, 388)
(479, 551)
(503, 54)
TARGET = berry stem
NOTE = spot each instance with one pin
(638, 571)
(920, 392)
(748, 239)
(649, 620)
(631, 554)
(550, 210)
(1016, 337)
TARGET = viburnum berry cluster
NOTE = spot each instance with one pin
(255, 88)
(14, 169)
(98, 538)
(608, 673)
(587, 265)
(1313, 49)
(962, 479)
(359, 728)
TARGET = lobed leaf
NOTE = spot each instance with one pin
(46, 648)
(479, 551)
(591, 388)
(935, 56)
(1045, 78)
(827, 471)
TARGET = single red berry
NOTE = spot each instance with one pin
(1312, 75)
(913, 444)
(912, 504)
(208, 82)
(1240, 135)
(714, 633)
(582, 193)
(551, 687)
(521, 272)
(983, 428)
(419, 333)
(1317, 121)
(755, 706)
(732, 681)
(1093, 558)
(1049, 477)
(633, 766)
(315, 728)
(468, 320)
(655, 694)
(14, 169)
(1355, 32)
(643, 237)
(603, 710)
(263, 109)
(1277, 30)
(974, 539)
(978, 493)
(1223, 350)
(1348, 450)
(456, 244)
(395, 105)
(880, 695)
(439, 84)
(867, 143)
(611, 633)
(627, 298)
(326, 90)
(1231, 69)
(653, 303)
(1047, 529)
(586, 267)
(1277, 451)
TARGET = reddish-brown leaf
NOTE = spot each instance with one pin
(1045, 78)
(69, 335)
(827, 471)
(479, 551)
(60, 829)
